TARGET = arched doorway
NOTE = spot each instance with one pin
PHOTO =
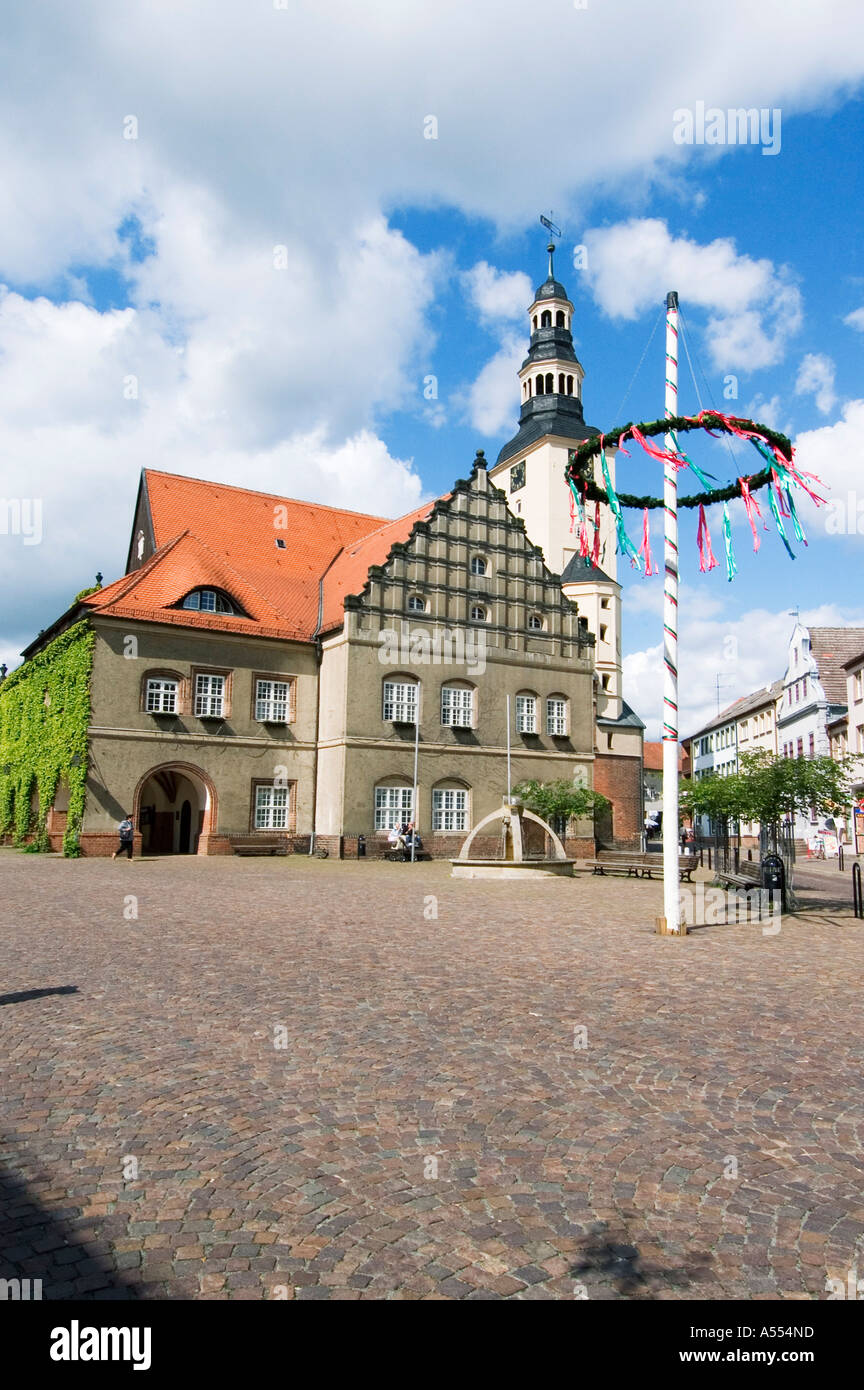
(174, 808)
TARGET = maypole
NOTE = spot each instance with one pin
(671, 920)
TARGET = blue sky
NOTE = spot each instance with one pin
(144, 320)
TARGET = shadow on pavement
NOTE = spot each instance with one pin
(23, 995)
(51, 1246)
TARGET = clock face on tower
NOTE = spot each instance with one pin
(517, 476)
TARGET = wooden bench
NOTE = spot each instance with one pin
(637, 866)
(255, 844)
(748, 875)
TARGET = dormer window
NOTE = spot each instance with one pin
(281, 544)
(208, 601)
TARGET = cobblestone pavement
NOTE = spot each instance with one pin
(245, 1091)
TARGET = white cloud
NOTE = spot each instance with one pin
(498, 294)
(73, 439)
(835, 454)
(816, 378)
(767, 412)
(302, 128)
(753, 308)
(747, 652)
(491, 398)
(856, 319)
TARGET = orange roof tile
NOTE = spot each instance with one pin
(239, 528)
(218, 535)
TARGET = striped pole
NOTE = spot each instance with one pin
(670, 636)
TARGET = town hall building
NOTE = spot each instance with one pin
(279, 671)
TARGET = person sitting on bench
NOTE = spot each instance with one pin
(399, 835)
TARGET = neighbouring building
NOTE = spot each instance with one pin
(652, 764)
(846, 734)
(814, 696)
(745, 726)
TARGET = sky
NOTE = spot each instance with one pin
(291, 244)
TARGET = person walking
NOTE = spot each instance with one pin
(127, 837)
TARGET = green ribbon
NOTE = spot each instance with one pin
(731, 567)
(625, 545)
(799, 529)
(703, 477)
(781, 530)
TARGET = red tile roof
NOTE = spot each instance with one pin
(652, 757)
(220, 536)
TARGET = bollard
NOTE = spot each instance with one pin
(857, 900)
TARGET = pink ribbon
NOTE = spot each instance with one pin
(752, 507)
(645, 547)
(707, 559)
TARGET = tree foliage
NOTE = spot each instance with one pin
(768, 788)
(560, 798)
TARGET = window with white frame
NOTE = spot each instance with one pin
(161, 697)
(400, 702)
(209, 697)
(526, 714)
(478, 564)
(450, 809)
(208, 601)
(416, 604)
(393, 806)
(272, 807)
(556, 716)
(457, 707)
(535, 622)
(272, 701)
(478, 613)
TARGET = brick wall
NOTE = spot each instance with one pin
(620, 779)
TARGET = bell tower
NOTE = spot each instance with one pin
(530, 469)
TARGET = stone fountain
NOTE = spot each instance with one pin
(513, 862)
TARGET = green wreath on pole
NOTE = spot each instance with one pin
(679, 424)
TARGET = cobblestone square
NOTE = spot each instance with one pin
(287, 1078)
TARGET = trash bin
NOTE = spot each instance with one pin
(361, 846)
(774, 877)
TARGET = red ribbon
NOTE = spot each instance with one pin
(664, 455)
(707, 560)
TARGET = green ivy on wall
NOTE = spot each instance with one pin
(44, 716)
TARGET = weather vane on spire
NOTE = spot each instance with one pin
(553, 232)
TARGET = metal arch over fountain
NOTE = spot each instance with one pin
(513, 863)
